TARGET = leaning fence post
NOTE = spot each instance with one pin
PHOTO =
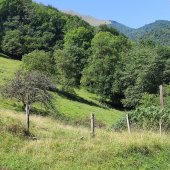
(162, 106)
(92, 125)
(128, 124)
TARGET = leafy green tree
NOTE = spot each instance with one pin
(73, 58)
(74, 22)
(164, 53)
(39, 60)
(106, 28)
(144, 74)
(100, 76)
(66, 69)
(80, 37)
(12, 43)
(144, 42)
(14, 8)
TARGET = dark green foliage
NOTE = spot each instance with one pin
(26, 26)
(148, 100)
(72, 59)
(12, 43)
(100, 76)
(164, 53)
(20, 9)
(106, 28)
(147, 43)
(144, 74)
(120, 73)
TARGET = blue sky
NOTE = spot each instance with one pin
(133, 13)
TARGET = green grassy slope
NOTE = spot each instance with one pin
(79, 111)
(73, 110)
(58, 146)
(54, 145)
(7, 68)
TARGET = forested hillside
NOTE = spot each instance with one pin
(158, 32)
(27, 26)
(120, 27)
(76, 54)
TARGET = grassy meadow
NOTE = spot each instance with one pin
(56, 145)
(59, 146)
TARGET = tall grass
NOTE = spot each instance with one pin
(59, 146)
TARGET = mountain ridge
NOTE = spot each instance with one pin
(91, 20)
(157, 31)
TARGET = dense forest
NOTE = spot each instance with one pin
(99, 59)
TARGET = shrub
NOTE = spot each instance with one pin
(146, 118)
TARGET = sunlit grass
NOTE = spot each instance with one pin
(59, 146)
(72, 111)
(7, 68)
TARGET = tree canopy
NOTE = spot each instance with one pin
(100, 59)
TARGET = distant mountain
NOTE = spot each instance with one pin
(91, 20)
(120, 27)
(159, 31)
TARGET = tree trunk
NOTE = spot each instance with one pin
(27, 109)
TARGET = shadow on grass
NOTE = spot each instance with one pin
(51, 113)
(114, 105)
(13, 57)
(4, 56)
(76, 98)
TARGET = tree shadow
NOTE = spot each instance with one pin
(53, 113)
(4, 56)
(76, 98)
(114, 105)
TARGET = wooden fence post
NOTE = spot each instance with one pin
(92, 125)
(160, 126)
(161, 97)
(162, 106)
(27, 109)
(128, 124)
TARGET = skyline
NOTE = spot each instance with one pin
(131, 13)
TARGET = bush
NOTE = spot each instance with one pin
(146, 118)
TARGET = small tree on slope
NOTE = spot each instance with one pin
(28, 88)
